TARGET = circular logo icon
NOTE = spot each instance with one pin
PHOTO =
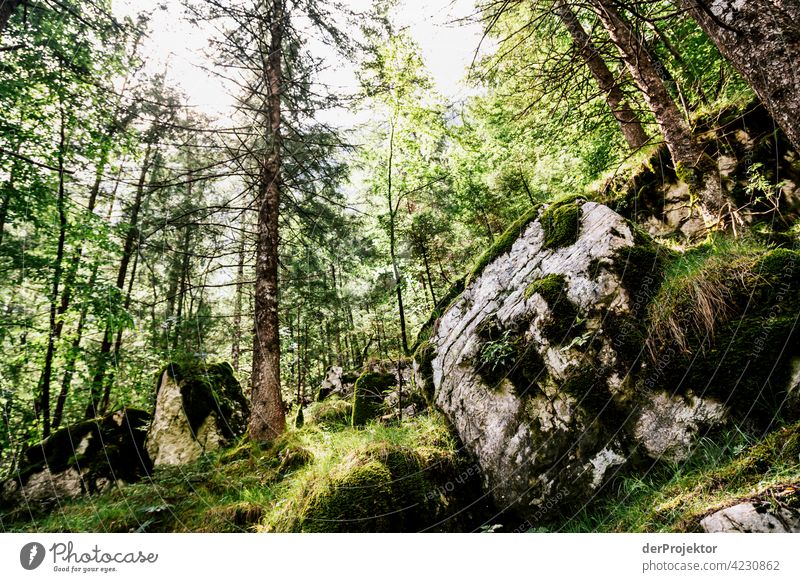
(31, 555)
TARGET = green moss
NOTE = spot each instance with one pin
(385, 488)
(739, 351)
(368, 396)
(641, 269)
(563, 322)
(357, 501)
(453, 293)
(503, 243)
(207, 388)
(561, 222)
(331, 413)
(423, 356)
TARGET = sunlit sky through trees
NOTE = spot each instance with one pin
(447, 35)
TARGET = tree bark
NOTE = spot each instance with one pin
(7, 8)
(687, 155)
(761, 39)
(236, 340)
(267, 419)
(627, 118)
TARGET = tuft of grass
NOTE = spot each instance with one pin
(675, 497)
(700, 290)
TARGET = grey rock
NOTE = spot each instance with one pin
(552, 434)
(88, 457)
(188, 420)
(753, 517)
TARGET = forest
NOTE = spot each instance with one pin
(562, 296)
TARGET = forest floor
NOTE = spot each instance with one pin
(248, 488)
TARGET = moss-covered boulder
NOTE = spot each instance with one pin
(368, 395)
(88, 457)
(383, 487)
(199, 407)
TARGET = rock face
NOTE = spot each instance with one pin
(199, 408)
(753, 517)
(89, 457)
(531, 364)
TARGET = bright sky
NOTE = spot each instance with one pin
(179, 48)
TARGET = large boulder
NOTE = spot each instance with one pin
(85, 458)
(542, 363)
(199, 408)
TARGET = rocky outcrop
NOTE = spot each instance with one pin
(88, 457)
(531, 364)
(199, 408)
(753, 517)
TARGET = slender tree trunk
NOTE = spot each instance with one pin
(267, 419)
(428, 274)
(761, 39)
(627, 118)
(237, 305)
(71, 357)
(183, 282)
(392, 246)
(55, 322)
(687, 155)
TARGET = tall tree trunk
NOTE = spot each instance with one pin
(687, 155)
(393, 244)
(428, 274)
(267, 419)
(55, 322)
(627, 118)
(761, 39)
(236, 340)
(131, 238)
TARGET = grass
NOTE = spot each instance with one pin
(700, 290)
(244, 488)
(674, 498)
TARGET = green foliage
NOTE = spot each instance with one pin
(503, 243)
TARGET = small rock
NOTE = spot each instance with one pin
(753, 517)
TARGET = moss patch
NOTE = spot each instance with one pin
(561, 223)
(368, 396)
(665, 498)
(734, 311)
(503, 243)
(331, 413)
